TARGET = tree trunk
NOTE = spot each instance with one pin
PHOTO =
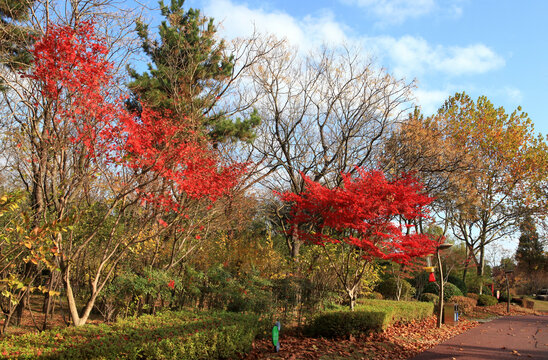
(29, 269)
(466, 265)
(440, 310)
(398, 288)
(47, 307)
(295, 245)
(481, 268)
(77, 320)
(19, 310)
(352, 297)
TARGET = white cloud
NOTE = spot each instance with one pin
(431, 100)
(407, 56)
(414, 56)
(391, 12)
(395, 11)
(514, 96)
(307, 33)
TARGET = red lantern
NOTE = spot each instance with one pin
(432, 278)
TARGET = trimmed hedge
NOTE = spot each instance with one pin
(449, 290)
(372, 315)
(169, 335)
(457, 280)
(487, 300)
(428, 297)
(466, 304)
(528, 304)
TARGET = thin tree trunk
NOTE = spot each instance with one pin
(295, 245)
(352, 297)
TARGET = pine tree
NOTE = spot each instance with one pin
(15, 39)
(188, 74)
(530, 251)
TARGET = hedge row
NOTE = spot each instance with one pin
(169, 335)
(371, 315)
(487, 300)
(449, 290)
(428, 297)
(466, 304)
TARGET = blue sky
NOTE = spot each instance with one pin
(494, 48)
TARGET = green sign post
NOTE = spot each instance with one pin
(276, 335)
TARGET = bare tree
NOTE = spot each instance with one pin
(322, 114)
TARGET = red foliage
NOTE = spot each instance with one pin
(153, 142)
(71, 68)
(368, 211)
(70, 59)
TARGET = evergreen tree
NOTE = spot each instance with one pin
(188, 74)
(15, 39)
(530, 252)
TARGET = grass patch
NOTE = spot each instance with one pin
(169, 335)
(370, 315)
(539, 305)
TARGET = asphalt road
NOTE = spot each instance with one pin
(513, 337)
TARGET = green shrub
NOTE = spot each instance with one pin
(428, 297)
(346, 322)
(372, 315)
(131, 294)
(432, 288)
(169, 335)
(292, 291)
(420, 281)
(474, 283)
(449, 290)
(487, 290)
(374, 295)
(487, 300)
(457, 280)
(388, 289)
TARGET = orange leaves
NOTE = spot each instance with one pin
(503, 145)
(401, 341)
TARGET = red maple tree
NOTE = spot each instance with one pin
(368, 215)
(71, 62)
(143, 157)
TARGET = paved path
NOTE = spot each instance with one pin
(513, 337)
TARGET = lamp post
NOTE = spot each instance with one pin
(508, 290)
(440, 247)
